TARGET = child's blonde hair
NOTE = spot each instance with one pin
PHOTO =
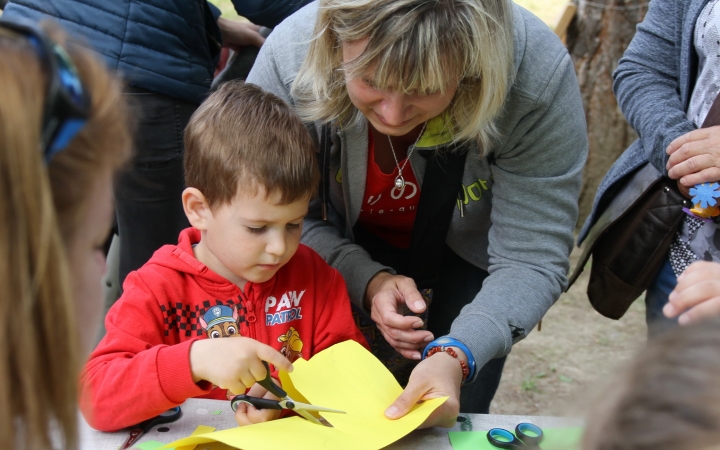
(413, 46)
(668, 398)
(39, 211)
(244, 137)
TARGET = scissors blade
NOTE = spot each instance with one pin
(135, 433)
(308, 416)
(309, 407)
(171, 415)
(303, 408)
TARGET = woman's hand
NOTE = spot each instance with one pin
(384, 297)
(697, 294)
(248, 414)
(237, 34)
(695, 157)
(438, 376)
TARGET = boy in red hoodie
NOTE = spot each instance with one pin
(240, 272)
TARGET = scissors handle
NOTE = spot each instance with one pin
(268, 384)
(259, 403)
(171, 415)
(502, 438)
(529, 433)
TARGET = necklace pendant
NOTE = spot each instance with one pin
(399, 182)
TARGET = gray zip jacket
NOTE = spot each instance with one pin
(520, 202)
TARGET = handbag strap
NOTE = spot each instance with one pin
(713, 115)
(438, 199)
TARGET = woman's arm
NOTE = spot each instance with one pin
(647, 81)
(537, 180)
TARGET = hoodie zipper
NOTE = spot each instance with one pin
(250, 316)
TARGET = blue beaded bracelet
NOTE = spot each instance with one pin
(450, 342)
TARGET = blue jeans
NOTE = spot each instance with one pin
(656, 297)
(148, 201)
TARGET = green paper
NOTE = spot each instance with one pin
(216, 413)
(555, 439)
(149, 445)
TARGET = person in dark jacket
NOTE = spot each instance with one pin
(166, 51)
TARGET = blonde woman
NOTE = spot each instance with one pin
(62, 135)
(399, 91)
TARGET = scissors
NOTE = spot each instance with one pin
(171, 415)
(527, 436)
(285, 402)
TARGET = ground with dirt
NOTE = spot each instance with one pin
(552, 371)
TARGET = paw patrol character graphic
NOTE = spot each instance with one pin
(220, 321)
(292, 344)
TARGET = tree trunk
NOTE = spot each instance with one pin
(596, 39)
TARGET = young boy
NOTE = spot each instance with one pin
(239, 272)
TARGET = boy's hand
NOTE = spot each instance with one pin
(233, 363)
(248, 414)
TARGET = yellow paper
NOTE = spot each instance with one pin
(201, 429)
(346, 377)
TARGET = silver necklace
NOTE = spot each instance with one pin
(399, 180)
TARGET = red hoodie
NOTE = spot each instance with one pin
(142, 366)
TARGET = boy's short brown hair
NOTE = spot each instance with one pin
(244, 137)
(667, 398)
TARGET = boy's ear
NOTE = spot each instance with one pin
(196, 208)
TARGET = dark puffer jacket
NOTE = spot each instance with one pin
(166, 46)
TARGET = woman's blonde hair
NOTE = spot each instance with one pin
(413, 46)
(39, 211)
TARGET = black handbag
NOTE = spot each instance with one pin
(630, 239)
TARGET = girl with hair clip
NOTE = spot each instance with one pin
(63, 133)
(451, 140)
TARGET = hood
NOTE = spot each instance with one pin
(180, 258)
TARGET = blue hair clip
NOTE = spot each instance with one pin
(67, 105)
(705, 194)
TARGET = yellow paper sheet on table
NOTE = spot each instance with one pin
(346, 377)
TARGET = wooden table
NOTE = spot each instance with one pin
(200, 412)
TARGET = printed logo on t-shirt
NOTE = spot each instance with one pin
(473, 192)
(292, 345)
(185, 318)
(284, 310)
(220, 321)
